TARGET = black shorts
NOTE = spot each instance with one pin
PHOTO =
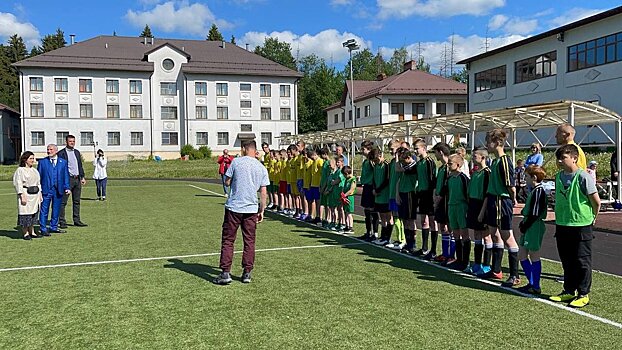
(407, 209)
(440, 211)
(425, 203)
(382, 207)
(475, 206)
(367, 197)
(499, 212)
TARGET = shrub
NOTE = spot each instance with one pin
(196, 154)
(207, 152)
(186, 150)
(130, 158)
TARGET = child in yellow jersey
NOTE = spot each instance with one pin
(307, 185)
(272, 190)
(313, 196)
(283, 195)
(291, 180)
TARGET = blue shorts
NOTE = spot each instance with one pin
(393, 205)
(299, 185)
(499, 212)
(289, 189)
(313, 194)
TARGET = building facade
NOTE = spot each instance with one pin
(409, 95)
(145, 96)
(10, 145)
(579, 61)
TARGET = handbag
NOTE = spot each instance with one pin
(32, 189)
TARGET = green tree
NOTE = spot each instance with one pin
(396, 63)
(214, 34)
(16, 48)
(320, 87)
(461, 76)
(422, 65)
(14, 51)
(53, 41)
(146, 33)
(277, 51)
(233, 40)
(365, 66)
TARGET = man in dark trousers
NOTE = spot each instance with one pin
(76, 181)
(54, 184)
(246, 176)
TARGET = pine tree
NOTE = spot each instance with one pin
(16, 49)
(233, 40)
(146, 32)
(214, 34)
(53, 41)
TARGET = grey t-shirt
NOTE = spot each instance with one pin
(247, 175)
(586, 182)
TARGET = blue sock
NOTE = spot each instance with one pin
(527, 268)
(445, 244)
(536, 271)
(452, 248)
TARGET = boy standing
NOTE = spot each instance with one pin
(441, 152)
(308, 163)
(477, 192)
(314, 190)
(349, 189)
(424, 192)
(381, 193)
(406, 199)
(576, 207)
(367, 197)
(326, 171)
(457, 200)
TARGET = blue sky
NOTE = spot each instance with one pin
(423, 26)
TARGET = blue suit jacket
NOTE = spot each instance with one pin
(46, 171)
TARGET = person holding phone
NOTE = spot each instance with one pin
(100, 174)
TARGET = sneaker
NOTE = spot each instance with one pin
(419, 252)
(580, 301)
(449, 262)
(380, 241)
(493, 275)
(348, 230)
(340, 228)
(223, 279)
(483, 270)
(363, 237)
(270, 206)
(430, 256)
(309, 219)
(475, 269)
(246, 277)
(468, 270)
(440, 259)
(563, 297)
(529, 289)
(512, 281)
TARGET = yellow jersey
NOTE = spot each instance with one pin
(292, 171)
(316, 172)
(307, 174)
(283, 170)
(300, 167)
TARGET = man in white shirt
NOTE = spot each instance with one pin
(76, 181)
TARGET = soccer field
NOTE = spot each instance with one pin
(139, 277)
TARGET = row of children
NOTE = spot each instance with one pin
(476, 210)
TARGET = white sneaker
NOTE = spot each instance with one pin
(377, 241)
(392, 246)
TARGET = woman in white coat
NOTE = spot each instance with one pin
(100, 174)
(27, 183)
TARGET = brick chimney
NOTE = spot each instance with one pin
(381, 76)
(410, 65)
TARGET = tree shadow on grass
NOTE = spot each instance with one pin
(13, 234)
(202, 271)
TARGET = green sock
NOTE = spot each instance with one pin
(399, 230)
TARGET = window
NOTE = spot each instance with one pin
(222, 113)
(595, 52)
(86, 111)
(265, 90)
(114, 138)
(85, 85)
(136, 111)
(223, 138)
(349, 116)
(201, 112)
(168, 64)
(460, 107)
(36, 110)
(535, 67)
(60, 85)
(343, 117)
(245, 104)
(168, 112)
(397, 108)
(266, 137)
(266, 113)
(441, 108)
(36, 84)
(283, 134)
(62, 111)
(168, 89)
(136, 138)
(367, 111)
(285, 91)
(86, 138)
(112, 111)
(200, 88)
(246, 127)
(336, 118)
(222, 89)
(136, 87)
(169, 139)
(418, 109)
(37, 138)
(60, 137)
(245, 87)
(201, 138)
(490, 79)
(112, 86)
(286, 114)
(358, 112)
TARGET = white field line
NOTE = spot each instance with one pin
(208, 191)
(104, 262)
(496, 284)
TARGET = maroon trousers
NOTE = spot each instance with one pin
(229, 233)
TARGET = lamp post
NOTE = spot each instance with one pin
(352, 45)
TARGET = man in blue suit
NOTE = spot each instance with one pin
(54, 184)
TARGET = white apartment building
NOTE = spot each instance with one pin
(578, 61)
(145, 96)
(409, 95)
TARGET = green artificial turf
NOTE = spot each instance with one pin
(335, 294)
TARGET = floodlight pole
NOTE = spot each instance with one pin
(352, 45)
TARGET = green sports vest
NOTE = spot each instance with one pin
(367, 173)
(572, 207)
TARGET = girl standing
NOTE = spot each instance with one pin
(100, 174)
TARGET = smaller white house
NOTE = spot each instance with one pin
(9, 135)
(410, 95)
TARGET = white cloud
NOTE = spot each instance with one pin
(341, 2)
(326, 44)
(9, 25)
(177, 16)
(514, 25)
(497, 21)
(573, 15)
(435, 8)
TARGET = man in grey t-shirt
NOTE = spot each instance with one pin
(246, 176)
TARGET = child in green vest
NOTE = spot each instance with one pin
(576, 207)
(448, 245)
(349, 189)
(381, 193)
(324, 212)
(457, 207)
(477, 192)
(532, 229)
